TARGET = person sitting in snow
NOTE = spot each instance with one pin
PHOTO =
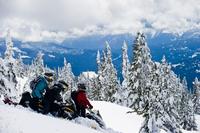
(52, 98)
(40, 85)
(81, 101)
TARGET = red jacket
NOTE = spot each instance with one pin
(82, 99)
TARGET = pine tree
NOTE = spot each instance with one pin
(187, 109)
(11, 83)
(98, 61)
(20, 67)
(157, 117)
(171, 96)
(9, 53)
(196, 97)
(3, 89)
(96, 93)
(8, 72)
(139, 80)
(67, 75)
(8, 82)
(123, 92)
(125, 65)
(155, 111)
(34, 70)
(38, 64)
(110, 81)
(153, 89)
(107, 84)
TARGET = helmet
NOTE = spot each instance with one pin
(48, 76)
(64, 86)
(81, 87)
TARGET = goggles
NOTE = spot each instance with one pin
(49, 79)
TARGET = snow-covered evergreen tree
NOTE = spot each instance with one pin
(196, 97)
(9, 53)
(172, 91)
(187, 109)
(3, 89)
(34, 70)
(107, 83)
(157, 117)
(67, 75)
(114, 84)
(8, 72)
(139, 76)
(96, 93)
(155, 112)
(123, 92)
(153, 89)
(37, 66)
(20, 67)
(11, 83)
(8, 81)
(98, 61)
(125, 65)
(111, 83)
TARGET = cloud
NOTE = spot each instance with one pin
(38, 20)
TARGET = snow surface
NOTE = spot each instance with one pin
(195, 54)
(89, 74)
(21, 83)
(22, 120)
(197, 71)
(51, 56)
(18, 120)
(176, 65)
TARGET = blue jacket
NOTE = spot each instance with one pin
(40, 87)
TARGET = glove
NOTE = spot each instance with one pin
(91, 107)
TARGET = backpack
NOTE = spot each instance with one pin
(74, 95)
(34, 82)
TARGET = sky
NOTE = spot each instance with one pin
(55, 20)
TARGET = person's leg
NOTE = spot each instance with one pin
(55, 109)
(78, 110)
(34, 104)
(25, 100)
(82, 111)
(46, 106)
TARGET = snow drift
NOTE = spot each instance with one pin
(24, 120)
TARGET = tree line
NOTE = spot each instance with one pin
(150, 88)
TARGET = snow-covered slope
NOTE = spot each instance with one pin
(21, 120)
(18, 120)
(117, 118)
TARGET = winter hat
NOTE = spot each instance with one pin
(64, 86)
(81, 86)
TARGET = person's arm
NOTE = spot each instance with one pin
(58, 97)
(40, 88)
(86, 102)
(36, 93)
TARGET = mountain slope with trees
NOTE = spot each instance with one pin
(150, 88)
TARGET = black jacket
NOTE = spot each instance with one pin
(53, 94)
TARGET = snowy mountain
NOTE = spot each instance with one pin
(151, 89)
(21, 120)
(182, 51)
